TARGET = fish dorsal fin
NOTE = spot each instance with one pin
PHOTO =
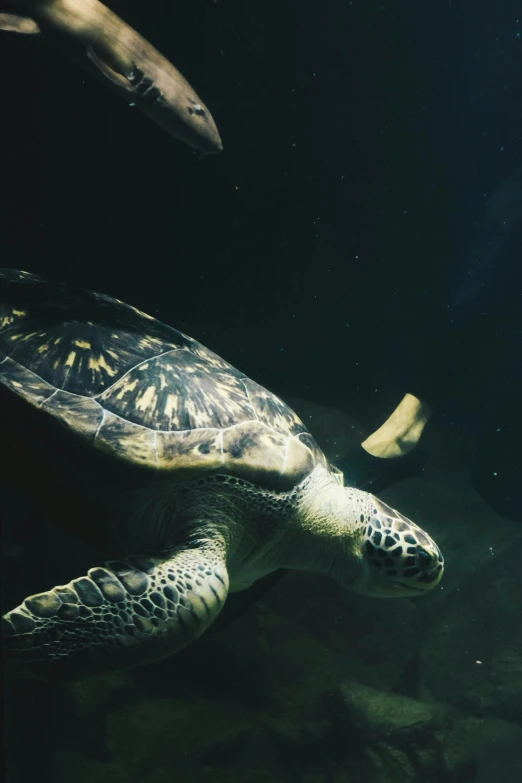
(108, 69)
(14, 23)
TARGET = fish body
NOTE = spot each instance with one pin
(118, 55)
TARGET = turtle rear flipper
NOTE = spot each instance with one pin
(118, 616)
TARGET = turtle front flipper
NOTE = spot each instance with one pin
(122, 615)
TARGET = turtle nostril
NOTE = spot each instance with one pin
(424, 558)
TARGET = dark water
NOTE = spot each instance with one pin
(359, 238)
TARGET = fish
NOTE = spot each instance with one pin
(120, 57)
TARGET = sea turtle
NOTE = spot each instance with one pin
(196, 477)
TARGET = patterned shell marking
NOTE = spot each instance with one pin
(141, 390)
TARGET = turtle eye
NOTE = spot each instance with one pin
(424, 559)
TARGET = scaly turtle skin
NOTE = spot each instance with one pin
(145, 440)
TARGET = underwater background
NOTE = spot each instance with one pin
(360, 233)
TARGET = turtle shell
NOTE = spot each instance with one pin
(141, 391)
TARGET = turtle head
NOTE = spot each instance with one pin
(398, 558)
(386, 555)
(362, 543)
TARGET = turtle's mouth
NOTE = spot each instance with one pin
(413, 589)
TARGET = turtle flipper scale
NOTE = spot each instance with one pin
(121, 615)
